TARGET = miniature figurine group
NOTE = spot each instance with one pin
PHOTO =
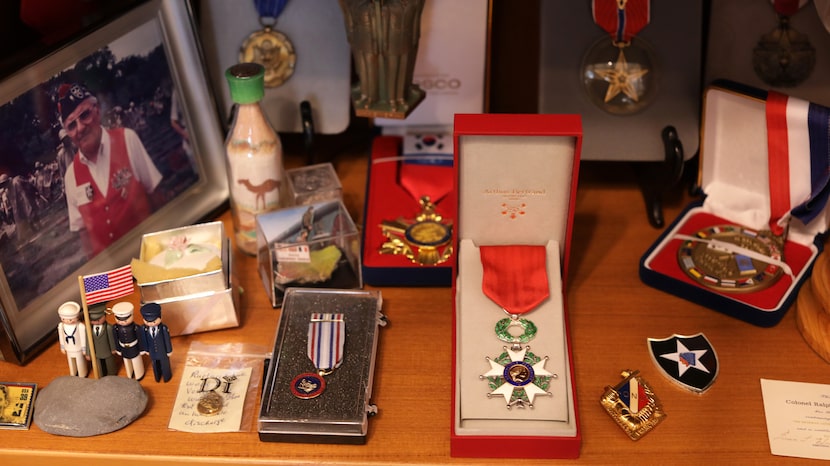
(126, 339)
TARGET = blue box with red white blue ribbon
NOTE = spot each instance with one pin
(748, 246)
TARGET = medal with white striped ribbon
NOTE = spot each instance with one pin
(326, 342)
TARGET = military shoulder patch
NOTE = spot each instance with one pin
(689, 361)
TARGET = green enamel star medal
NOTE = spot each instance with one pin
(519, 376)
(515, 278)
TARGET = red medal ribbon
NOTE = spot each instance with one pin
(779, 159)
(623, 19)
(787, 7)
(420, 180)
(515, 277)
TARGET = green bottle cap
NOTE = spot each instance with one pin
(246, 82)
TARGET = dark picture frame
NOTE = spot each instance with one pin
(137, 66)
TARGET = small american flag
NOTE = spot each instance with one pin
(109, 285)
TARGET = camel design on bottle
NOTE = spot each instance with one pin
(260, 190)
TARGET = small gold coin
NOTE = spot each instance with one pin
(210, 403)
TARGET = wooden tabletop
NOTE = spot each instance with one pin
(612, 313)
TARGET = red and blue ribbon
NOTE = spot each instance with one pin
(798, 139)
(623, 19)
(326, 340)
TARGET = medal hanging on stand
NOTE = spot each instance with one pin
(425, 238)
(515, 278)
(269, 47)
(784, 57)
(618, 72)
(326, 342)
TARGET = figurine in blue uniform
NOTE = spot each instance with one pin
(127, 334)
(156, 341)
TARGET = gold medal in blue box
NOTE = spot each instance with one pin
(733, 258)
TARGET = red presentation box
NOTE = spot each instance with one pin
(516, 185)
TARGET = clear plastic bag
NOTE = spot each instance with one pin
(219, 386)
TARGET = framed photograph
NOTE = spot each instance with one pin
(112, 136)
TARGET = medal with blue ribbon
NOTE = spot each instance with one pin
(818, 127)
(735, 258)
(326, 342)
(270, 48)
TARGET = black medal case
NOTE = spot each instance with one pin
(341, 412)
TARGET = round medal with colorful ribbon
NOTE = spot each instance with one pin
(732, 258)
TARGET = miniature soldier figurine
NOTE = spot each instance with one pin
(72, 337)
(102, 339)
(126, 333)
(156, 341)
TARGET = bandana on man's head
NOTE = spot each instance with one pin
(69, 97)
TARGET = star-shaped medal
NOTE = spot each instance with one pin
(519, 376)
(622, 77)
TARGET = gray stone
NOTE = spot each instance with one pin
(80, 407)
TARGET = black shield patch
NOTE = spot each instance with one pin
(689, 361)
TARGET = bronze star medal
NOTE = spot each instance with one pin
(619, 71)
(424, 239)
(622, 78)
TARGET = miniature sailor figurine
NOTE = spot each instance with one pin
(126, 333)
(102, 339)
(156, 341)
(72, 337)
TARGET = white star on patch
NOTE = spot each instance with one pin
(682, 364)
